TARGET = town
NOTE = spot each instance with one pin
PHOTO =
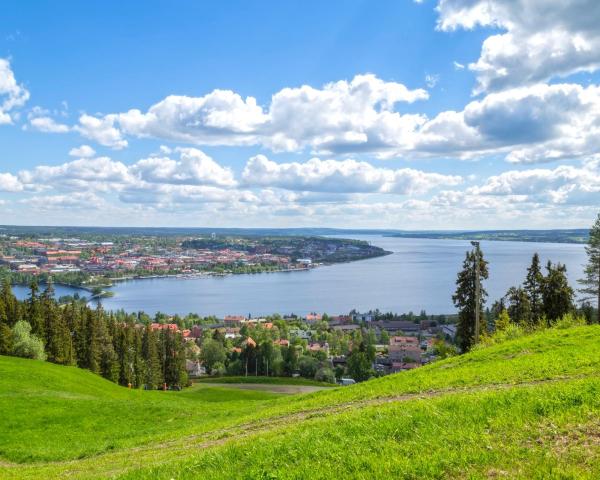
(101, 260)
(315, 346)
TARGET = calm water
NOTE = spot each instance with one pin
(420, 274)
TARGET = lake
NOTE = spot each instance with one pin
(419, 274)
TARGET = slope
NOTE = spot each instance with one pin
(527, 408)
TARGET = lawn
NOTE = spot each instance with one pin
(527, 408)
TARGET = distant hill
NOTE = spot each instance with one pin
(559, 235)
(526, 408)
(579, 235)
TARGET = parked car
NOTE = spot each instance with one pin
(347, 381)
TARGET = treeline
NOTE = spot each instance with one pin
(544, 298)
(116, 347)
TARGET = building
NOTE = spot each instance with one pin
(404, 350)
(234, 320)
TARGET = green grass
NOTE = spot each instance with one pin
(265, 380)
(60, 413)
(528, 408)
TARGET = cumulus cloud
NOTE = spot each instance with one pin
(194, 167)
(83, 151)
(12, 94)
(563, 184)
(532, 124)
(101, 130)
(191, 168)
(10, 183)
(346, 176)
(48, 125)
(345, 115)
(542, 39)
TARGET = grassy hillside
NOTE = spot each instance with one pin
(528, 408)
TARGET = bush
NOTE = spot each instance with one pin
(325, 374)
(308, 366)
(218, 369)
(569, 320)
(25, 344)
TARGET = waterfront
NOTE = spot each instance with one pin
(420, 274)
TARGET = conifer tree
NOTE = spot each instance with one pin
(465, 297)
(153, 373)
(591, 281)
(34, 312)
(12, 308)
(557, 295)
(519, 306)
(533, 287)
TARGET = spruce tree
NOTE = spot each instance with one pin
(591, 280)
(533, 287)
(34, 311)
(557, 295)
(150, 349)
(518, 306)
(465, 297)
(12, 307)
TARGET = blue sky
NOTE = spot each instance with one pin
(392, 114)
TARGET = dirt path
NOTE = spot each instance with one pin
(266, 387)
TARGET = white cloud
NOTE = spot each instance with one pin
(10, 183)
(528, 125)
(563, 184)
(543, 39)
(101, 130)
(347, 176)
(12, 95)
(194, 167)
(431, 80)
(83, 151)
(48, 125)
(458, 66)
(345, 115)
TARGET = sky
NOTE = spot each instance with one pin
(447, 114)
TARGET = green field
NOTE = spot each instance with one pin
(528, 408)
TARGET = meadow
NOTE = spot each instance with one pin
(526, 408)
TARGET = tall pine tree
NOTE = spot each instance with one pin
(465, 297)
(591, 280)
(533, 287)
(557, 295)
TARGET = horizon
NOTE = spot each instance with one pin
(187, 227)
(415, 115)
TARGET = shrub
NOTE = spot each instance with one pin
(569, 320)
(325, 374)
(25, 344)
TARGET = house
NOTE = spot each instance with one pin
(298, 332)
(173, 327)
(402, 366)
(233, 320)
(282, 342)
(393, 326)
(362, 317)
(449, 331)
(347, 328)
(194, 368)
(403, 349)
(313, 317)
(196, 331)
